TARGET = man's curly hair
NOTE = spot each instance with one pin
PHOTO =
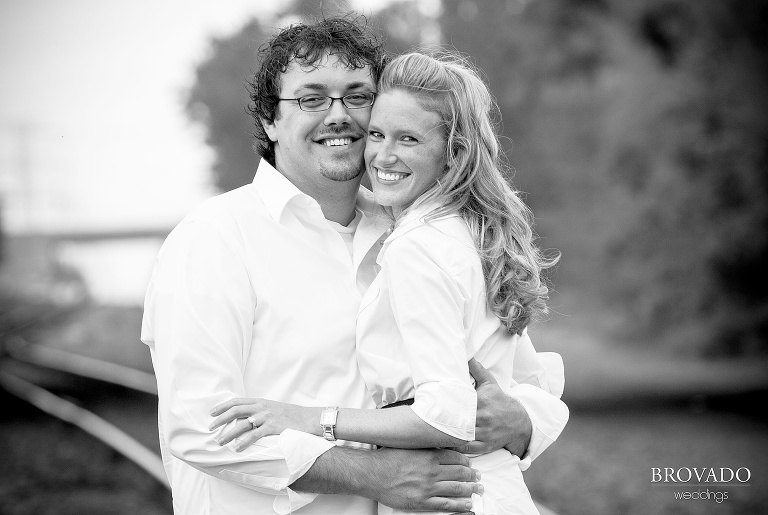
(347, 37)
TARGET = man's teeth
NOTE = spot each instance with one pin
(337, 142)
(390, 176)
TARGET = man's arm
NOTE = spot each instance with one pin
(411, 480)
(198, 318)
(525, 422)
(502, 420)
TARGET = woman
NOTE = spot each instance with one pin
(460, 278)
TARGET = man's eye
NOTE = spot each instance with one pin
(357, 99)
(313, 101)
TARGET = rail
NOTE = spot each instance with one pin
(76, 364)
(87, 421)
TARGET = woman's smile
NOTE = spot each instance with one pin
(389, 175)
(406, 149)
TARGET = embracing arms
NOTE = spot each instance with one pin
(412, 480)
(198, 322)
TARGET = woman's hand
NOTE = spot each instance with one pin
(270, 417)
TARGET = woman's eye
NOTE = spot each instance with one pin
(375, 135)
(410, 139)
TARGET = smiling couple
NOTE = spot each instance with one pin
(293, 331)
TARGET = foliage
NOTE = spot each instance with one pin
(639, 135)
(695, 170)
(218, 100)
(640, 132)
(218, 97)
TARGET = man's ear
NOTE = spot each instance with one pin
(270, 129)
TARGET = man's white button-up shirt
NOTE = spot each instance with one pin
(254, 294)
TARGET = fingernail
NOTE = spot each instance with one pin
(480, 489)
(468, 505)
(477, 475)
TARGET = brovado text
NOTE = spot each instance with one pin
(700, 475)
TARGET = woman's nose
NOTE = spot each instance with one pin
(385, 156)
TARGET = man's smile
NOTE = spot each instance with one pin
(336, 142)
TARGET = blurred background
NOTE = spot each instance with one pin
(638, 134)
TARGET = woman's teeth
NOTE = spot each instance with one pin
(390, 176)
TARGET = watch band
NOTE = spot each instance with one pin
(328, 422)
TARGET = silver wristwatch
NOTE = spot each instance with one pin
(328, 422)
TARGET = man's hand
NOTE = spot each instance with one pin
(410, 480)
(501, 420)
(427, 480)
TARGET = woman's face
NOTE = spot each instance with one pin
(405, 151)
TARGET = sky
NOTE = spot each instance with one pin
(92, 130)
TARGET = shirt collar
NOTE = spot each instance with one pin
(366, 203)
(276, 191)
(274, 188)
(412, 219)
(415, 217)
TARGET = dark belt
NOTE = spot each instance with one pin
(404, 402)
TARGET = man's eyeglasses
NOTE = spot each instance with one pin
(315, 103)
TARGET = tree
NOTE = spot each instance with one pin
(640, 133)
(218, 100)
(693, 263)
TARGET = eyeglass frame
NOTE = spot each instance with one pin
(332, 100)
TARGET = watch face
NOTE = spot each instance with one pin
(328, 417)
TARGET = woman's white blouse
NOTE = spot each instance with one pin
(425, 316)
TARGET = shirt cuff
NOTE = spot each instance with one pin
(300, 451)
(448, 407)
(548, 416)
(553, 378)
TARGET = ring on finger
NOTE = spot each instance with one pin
(252, 421)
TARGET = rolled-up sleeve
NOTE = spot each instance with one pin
(428, 307)
(538, 384)
(198, 323)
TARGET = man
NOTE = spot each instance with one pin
(256, 292)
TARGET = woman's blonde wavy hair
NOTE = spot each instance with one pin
(473, 184)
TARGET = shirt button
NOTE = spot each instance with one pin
(276, 486)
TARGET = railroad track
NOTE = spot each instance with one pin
(115, 404)
(83, 392)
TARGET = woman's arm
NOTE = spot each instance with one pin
(425, 277)
(397, 427)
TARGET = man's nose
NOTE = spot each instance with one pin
(337, 113)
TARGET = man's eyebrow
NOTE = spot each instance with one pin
(356, 85)
(323, 87)
(311, 85)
